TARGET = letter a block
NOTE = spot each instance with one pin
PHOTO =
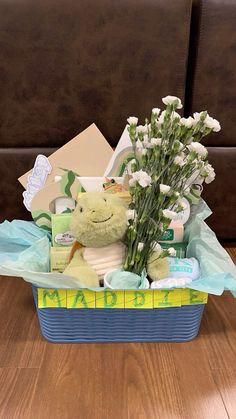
(81, 299)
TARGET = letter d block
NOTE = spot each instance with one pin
(139, 299)
(110, 299)
(49, 298)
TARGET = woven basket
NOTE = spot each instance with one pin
(170, 324)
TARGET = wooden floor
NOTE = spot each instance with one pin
(115, 381)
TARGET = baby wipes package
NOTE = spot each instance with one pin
(61, 233)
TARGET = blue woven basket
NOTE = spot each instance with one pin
(171, 324)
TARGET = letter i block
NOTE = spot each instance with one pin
(139, 299)
(110, 299)
(81, 299)
(167, 298)
(49, 298)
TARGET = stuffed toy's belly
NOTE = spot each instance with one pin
(104, 259)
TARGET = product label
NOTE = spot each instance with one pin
(181, 265)
(65, 239)
(168, 234)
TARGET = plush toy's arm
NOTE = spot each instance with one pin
(78, 268)
(157, 268)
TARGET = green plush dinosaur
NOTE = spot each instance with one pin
(99, 224)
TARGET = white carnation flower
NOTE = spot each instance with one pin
(161, 117)
(198, 148)
(148, 144)
(171, 215)
(212, 123)
(217, 126)
(178, 145)
(164, 189)
(179, 161)
(140, 177)
(197, 116)
(210, 172)
(168, 100)
(132, 182)
(129, 166)
(130, 214)
(141, 129)
(139, 144)
(182, 155)
(146, 141)
(175, 115)
(140, 246)
(132, 120)
(156, 111)
(156, 141)
(182, 204)
(171, 251)
(187, 122)
(210, 178)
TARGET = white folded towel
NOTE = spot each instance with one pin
(104, 259)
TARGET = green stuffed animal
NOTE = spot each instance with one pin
(99, 224)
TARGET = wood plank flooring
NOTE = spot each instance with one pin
(194, 380)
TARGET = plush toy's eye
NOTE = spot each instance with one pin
(81, 209)
(105, 199)
(112, 180)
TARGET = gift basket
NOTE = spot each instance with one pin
(119, 249)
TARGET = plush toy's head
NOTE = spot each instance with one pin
(99, 219)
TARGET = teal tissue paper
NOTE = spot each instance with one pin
(218, 272)
(120, 279)
(25, 252)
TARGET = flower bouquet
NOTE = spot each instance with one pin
(169, 165)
